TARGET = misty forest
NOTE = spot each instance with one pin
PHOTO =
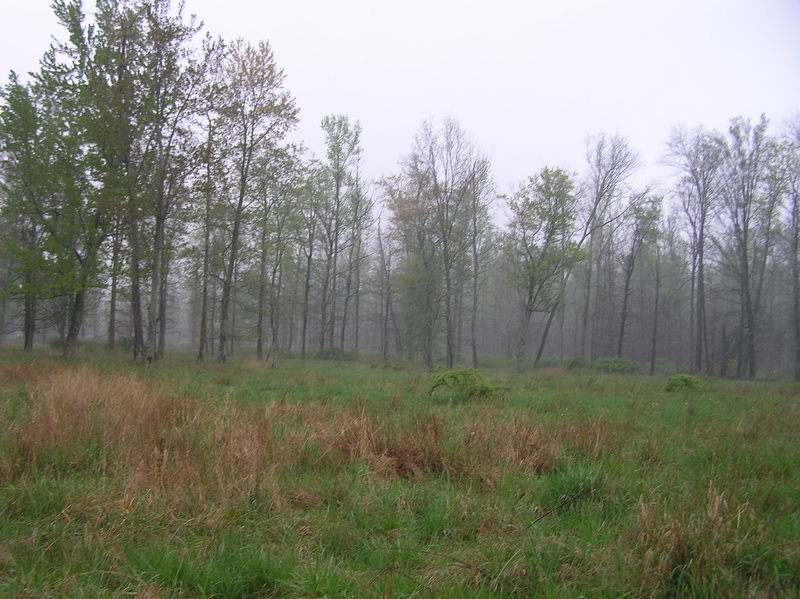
(153, 199)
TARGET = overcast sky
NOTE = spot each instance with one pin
(528, 80)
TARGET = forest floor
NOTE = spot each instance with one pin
(318, 480)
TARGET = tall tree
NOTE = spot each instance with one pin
(343, 152)
(172, 81)
(257, 114)
(611, 163)
(26, 156)
(790, 158)
(538, 246)
(645, 218)
(697, 158)
(419, 272)
(751, 210)
(446, 165)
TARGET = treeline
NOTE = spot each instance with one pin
(149, 195)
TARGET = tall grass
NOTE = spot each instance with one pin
(310, 481)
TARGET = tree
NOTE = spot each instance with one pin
(343, 151)
(65, 215)
(446, 167)
(172, 80)
(751, 207)
(26, 154)
(278, 189)
(611, 163)
(257, 113)
(697, 158)
(419, 275)
(538, 246)
(790, 159)
(645, 218)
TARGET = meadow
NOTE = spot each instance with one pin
(318, 480)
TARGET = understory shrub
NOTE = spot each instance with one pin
(333, 354)
(614, 366)
(680, 382)
(466, 383)
(578, 363)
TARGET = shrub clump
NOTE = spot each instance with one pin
(681, 382)
(579, 363)
(467, 383)
(333, 354)
(615, 366)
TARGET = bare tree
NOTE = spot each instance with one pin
(749, 230)
(446, 165)
(697, 158)
(611, 163)
(645, 217)
(790, 158)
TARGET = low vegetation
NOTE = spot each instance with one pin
(319, 480)
(465, 383)
(684, 382)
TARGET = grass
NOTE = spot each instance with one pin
(314, 480)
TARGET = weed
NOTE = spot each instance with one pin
(466, 383)
(684, 382)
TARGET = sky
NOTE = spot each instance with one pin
(528, 80)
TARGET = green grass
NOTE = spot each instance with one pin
(314, 480)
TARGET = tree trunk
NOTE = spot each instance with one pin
(655, 315)
(162, 310)
(523, 339)
(230, 271)
(306, 294)
(139, 348)
(262, 290)
(29, 328)
(112, 308)
(587, 298)
(75, 320)
(795, 269)
(625, 295)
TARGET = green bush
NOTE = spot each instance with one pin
(614, 366)
(578, 363)
(333, 354)
(466, 383)
(680, 382)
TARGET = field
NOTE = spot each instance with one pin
(314, 480)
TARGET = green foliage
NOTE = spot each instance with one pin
(614, 366)
(607, 365)
(467, 384)
(684, 382)
(332, 353)
(579, 363)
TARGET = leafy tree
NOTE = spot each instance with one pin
(343, 152)
(256, 114)
(538, 245)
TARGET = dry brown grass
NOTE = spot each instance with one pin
(182, 450)
(680, 545)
